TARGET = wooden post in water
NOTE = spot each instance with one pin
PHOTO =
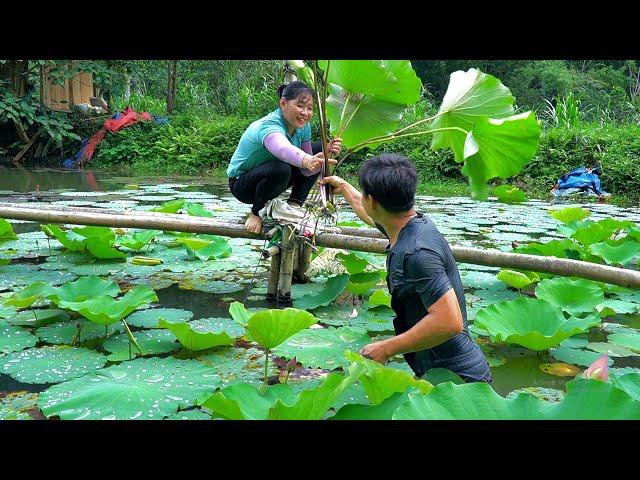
(287, 249)
(274, 275)
(303, 260)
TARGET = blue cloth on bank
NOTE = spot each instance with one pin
(579, 180)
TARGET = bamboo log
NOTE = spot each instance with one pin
(274, 274)
(270, 252)
(184, 223)
(304, 260)
(287, 250)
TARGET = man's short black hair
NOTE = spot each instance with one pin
(391, 179)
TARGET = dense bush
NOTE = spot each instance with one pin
(192, 146)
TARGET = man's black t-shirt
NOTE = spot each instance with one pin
(420, 269)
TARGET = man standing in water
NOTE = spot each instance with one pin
(422, 275)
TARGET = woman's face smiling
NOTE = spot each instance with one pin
(297, 112)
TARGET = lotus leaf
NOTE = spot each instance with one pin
(278, 402)
(85, 288)
(323, 347)
(630, 383)
(510, 194)
(239, 313)
(171, 206)
(149, 318)
(149, 341)
(379, 297)
(6, 231)
(28, 296)
(471, 95)
(570, 214)
(199, 334)
(576, 356)
(379, 319)
(193, 414)
(610, 307)
(367, 97)
(353, 262)
(554, 248)
(620, 252)
(144, 389)
(197, 210)
(39, 318)
(381, 411)
(515, 279)
(436, 376)
(80, 330)
(360, 283)
(137, 240)
(104, 310)
(585, 399)
(532, 323)
(236, 365)
(13, 339)
(380, 382)
(271, 327)
(206, 247)
(611, 349)
(629, 340)
(573, 296)
(334, 287)
(574, 342)
(51, 364)
(546, 394)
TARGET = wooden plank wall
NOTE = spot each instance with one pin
(75, 90)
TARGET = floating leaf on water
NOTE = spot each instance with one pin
(334, 287)
(323, 347)
(631, 341)
(570, 214)
(13, 339)
(39, 317)
(547, 394)
(150, 341)
(576, 356)
(67, 332)
(51, 364)
(611, 349)
(193, 414)
(140, 389)
(149, 318)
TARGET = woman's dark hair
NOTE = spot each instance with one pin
(391, 179)
(294, 90)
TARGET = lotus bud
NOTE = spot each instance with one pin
(598, 370)
(291, 365)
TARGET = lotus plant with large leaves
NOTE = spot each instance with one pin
(97, 241)
(570, 214)
(204, 333)
(79, 290)
(105, 310)
(241, 401)
(137, 240)
(269, 328)
(476, 120)
(575, 296)
(530, 322)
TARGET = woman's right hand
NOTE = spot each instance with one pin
(314, 163)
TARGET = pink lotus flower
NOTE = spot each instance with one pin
(598, 370)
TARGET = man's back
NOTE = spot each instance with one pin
(420, 269)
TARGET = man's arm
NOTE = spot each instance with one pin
(351, 194)
(442, 322)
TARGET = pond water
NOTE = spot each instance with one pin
(207, 288)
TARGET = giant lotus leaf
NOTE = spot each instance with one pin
(142, 389)
(368, 96)
(574, 296)
(532, 323)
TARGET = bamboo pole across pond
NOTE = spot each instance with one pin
(351, 240)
